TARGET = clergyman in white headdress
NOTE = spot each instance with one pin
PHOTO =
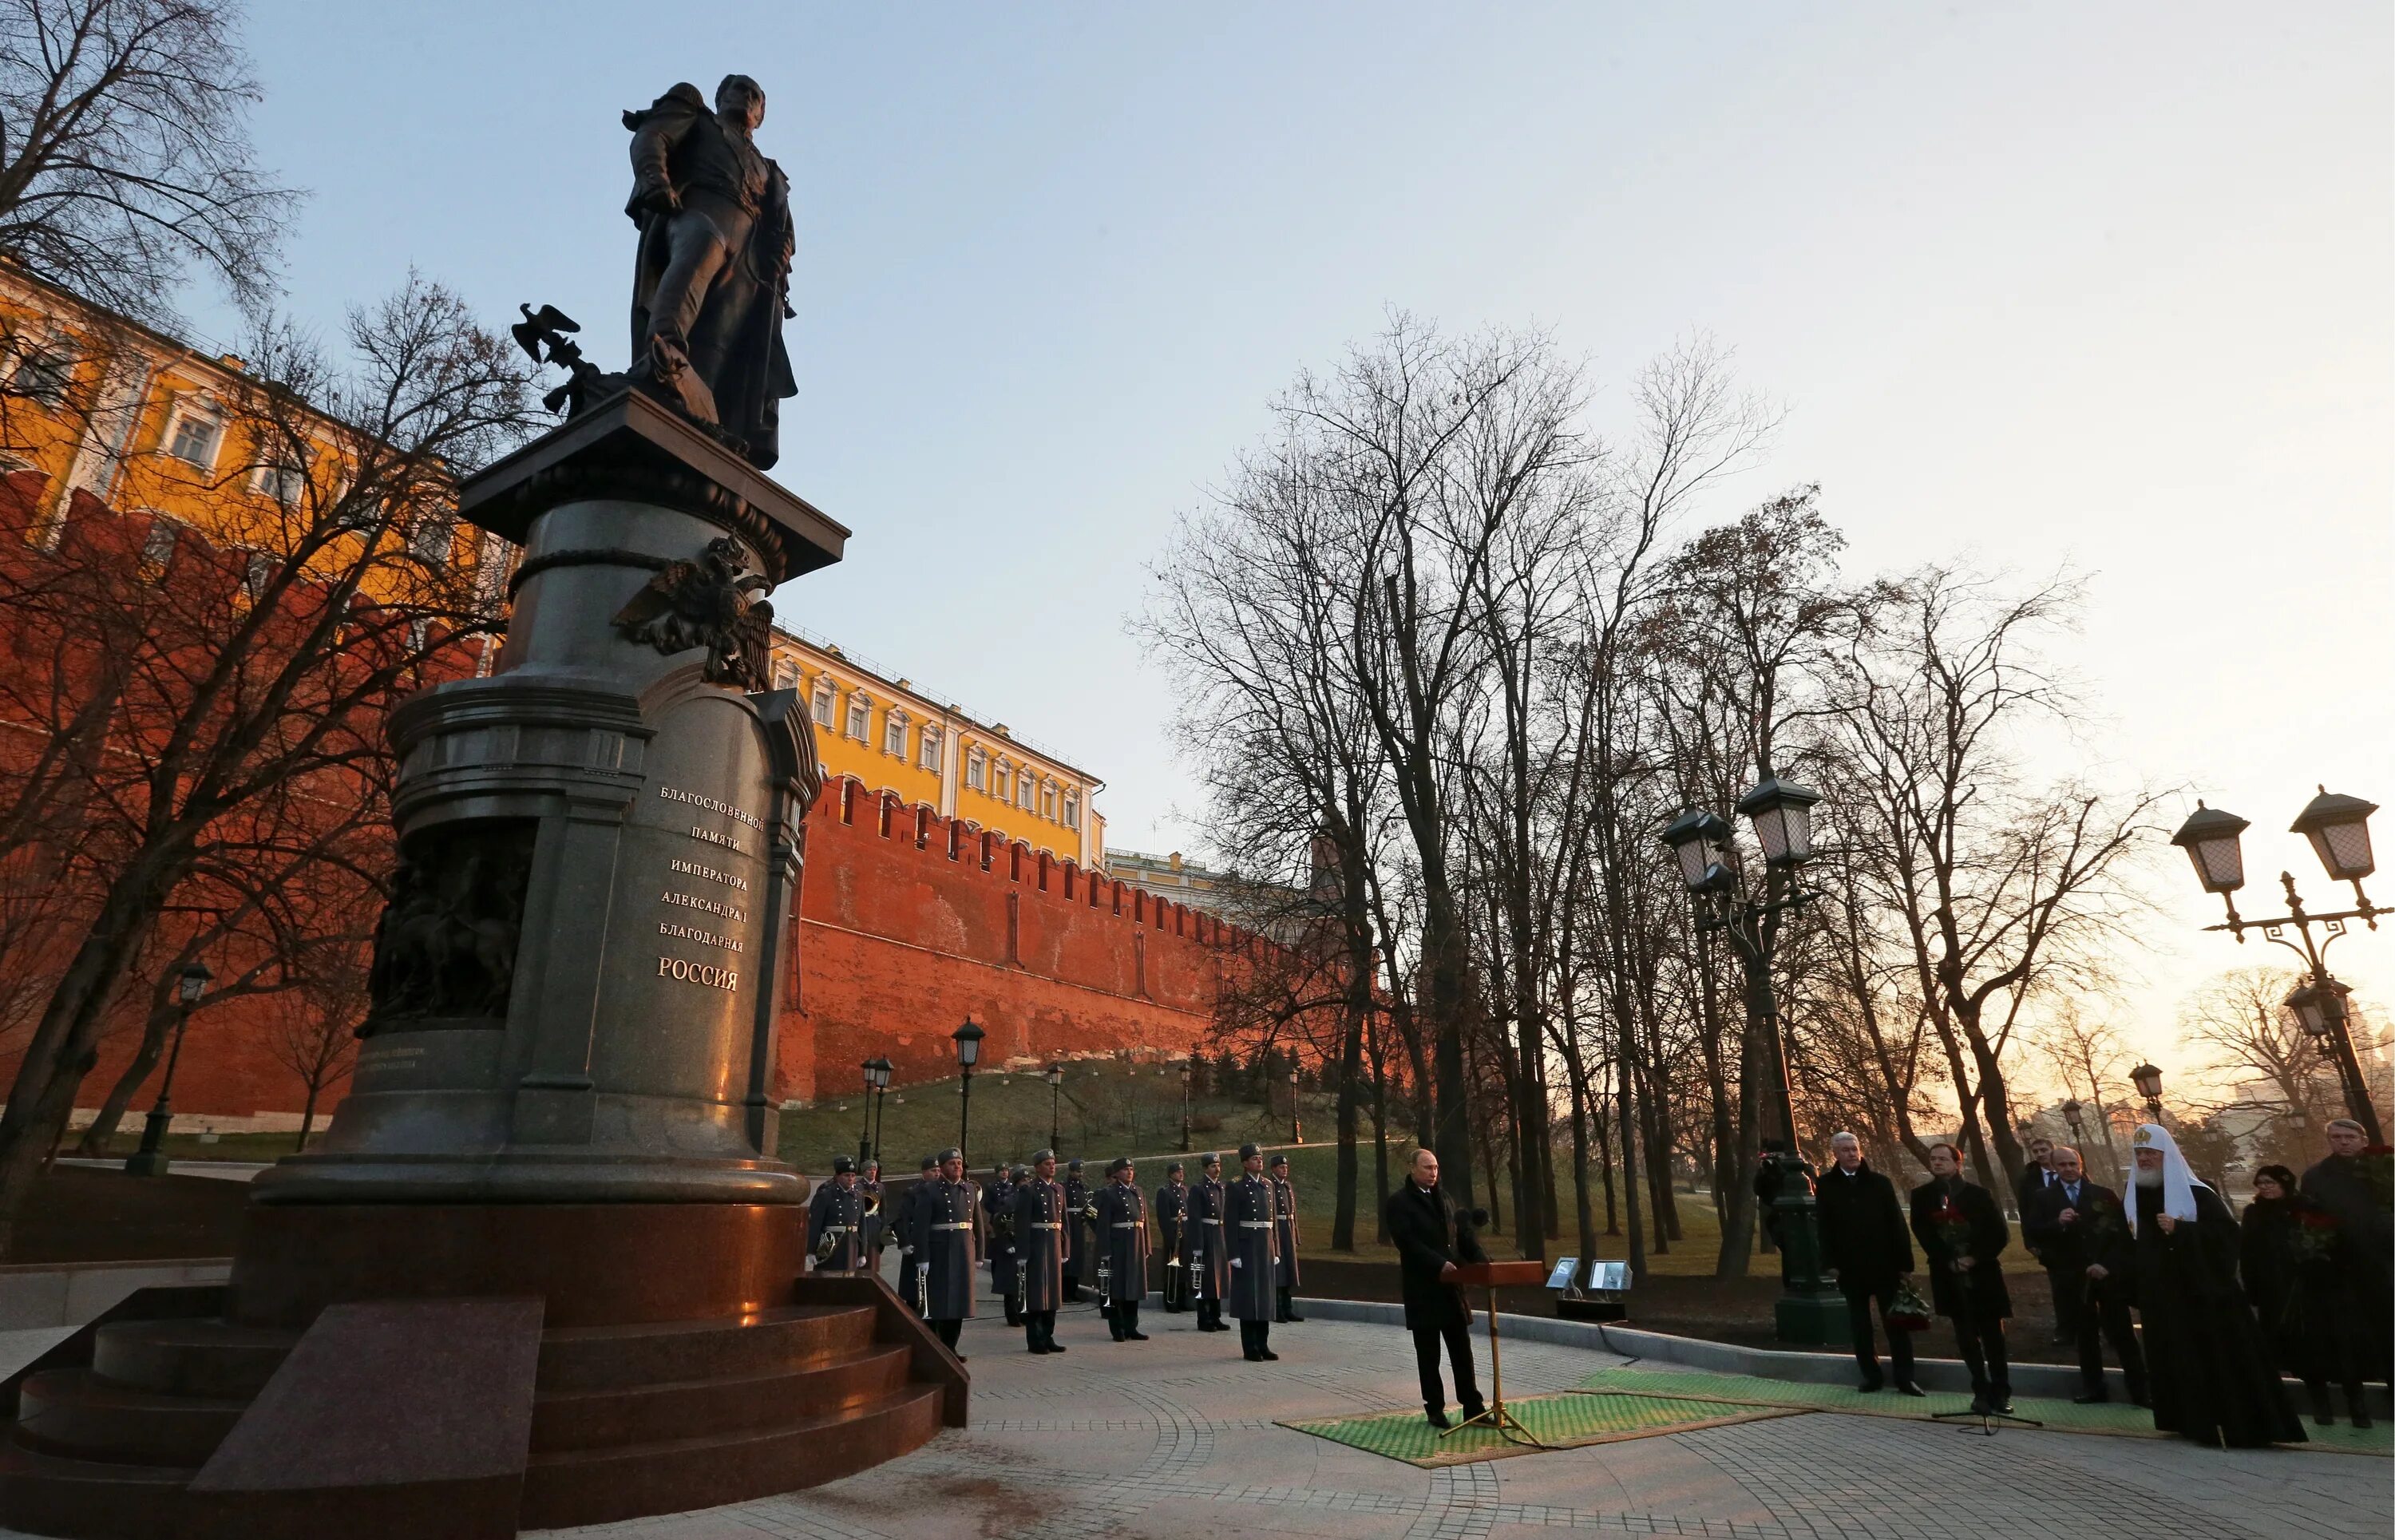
(2210, 1371)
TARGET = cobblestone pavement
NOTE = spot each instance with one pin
(1175, 1437)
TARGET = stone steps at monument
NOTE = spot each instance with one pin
(723, 1404)
(601, 1358)
(190, 1358)
(52, 1494)
(76, 1414)
(601, 1486)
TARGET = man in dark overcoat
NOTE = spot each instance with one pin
(1079, 1266)
(1961, 1232)
(1172, 1239)
(1210, 1255)
(1122, 1248)
(836, 1220)
(1040, 1252)
(1863, 1238)
(902, 1230)
(1285, 1233)
(2356, 1183)
(2082, 1237)
(1432, 1235)
(1249, 1230)
(949, 1238)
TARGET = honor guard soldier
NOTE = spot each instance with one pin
(835, 1221)
(1255, 1254)
(1078, 1266)
(1173, 1225)
(901, 1231)
(877, 1231)
(1210, 1258)
(1284, 1235)
(1040, 1252)
(1122, 1250)
(1005, 1261)
(949, 1244)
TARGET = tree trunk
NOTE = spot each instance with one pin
(155, 1030)
(1351, 1055)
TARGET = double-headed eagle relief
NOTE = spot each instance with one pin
(710, 604)
(711, 281)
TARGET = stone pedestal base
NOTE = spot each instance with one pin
(677, 1359)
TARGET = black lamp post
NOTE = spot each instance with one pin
(967, 1041)
(1055, 1106)
(1185, 1072)
(151, 1161)
(2338, 828)
(1781, 811)
(2149, 1081)
(877, 1091)
(2070, 1116)
(1296, 1129)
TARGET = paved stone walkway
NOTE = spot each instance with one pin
(1175, 1437)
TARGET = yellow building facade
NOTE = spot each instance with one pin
(893, 737)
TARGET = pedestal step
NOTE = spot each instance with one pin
(564, 1421)
(75, 1413)
(788, 1336)
(600, 1486)
(50, 1495)
(189, 1358)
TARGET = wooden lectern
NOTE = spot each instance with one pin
(1493, 1276)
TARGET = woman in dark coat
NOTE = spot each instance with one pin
(2290, 1254)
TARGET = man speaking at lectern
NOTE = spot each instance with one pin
(1432, 1235)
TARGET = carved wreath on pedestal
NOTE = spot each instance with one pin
(709, 603)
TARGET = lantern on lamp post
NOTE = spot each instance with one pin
(1186, 1072)
(1055, 1078)
(877, 1093)
(2070, 1115)
(1749, 913)
(2338, 829)
(2149, 1081)
(967, 1041)
(191, 983)
(1296, 1129)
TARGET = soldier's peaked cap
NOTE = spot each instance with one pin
(1278, 1158)
(951, 1154)
(1039, 1155)
(1210, 1158)
(842, 1162)
(1249, 1151)
(931, 1163)
(1075, 1165)
(1120, 1162)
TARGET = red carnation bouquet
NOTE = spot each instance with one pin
(2314, 1236)
(1908, 1311)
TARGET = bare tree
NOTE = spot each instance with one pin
(245, 682)
(1997, 884)
(125, 152)
(312, 1030)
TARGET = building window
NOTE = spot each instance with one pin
(786, 674)
(1023, 790)
(823, 702)
(195, 437)
(860, 716)
(44, 373)
(929, 754)
(435, 537)
(1000, 785)
(893, 733)
(1048, 801)
(282, 480)
(976, 769)
(1072, 810)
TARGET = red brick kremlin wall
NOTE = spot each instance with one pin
(910, 923)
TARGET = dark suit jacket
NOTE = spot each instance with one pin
(1429, 1232)
(2099, 1233)
(1862, 1230)
(1986, 1236)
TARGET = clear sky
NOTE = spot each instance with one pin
(2101, 285)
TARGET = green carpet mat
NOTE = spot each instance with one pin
(2118, 1418)
(1564, 1421)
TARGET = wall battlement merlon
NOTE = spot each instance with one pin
(1012, 862)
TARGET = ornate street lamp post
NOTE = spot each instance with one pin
(2149, 1081)
(967, 1041)
(1055, 1106)
(1296, 1129)
(1185, 1072)
(2338, 828)
(2070, 1115)
(151, 1161)
(877, 1094)
(1781, 812)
